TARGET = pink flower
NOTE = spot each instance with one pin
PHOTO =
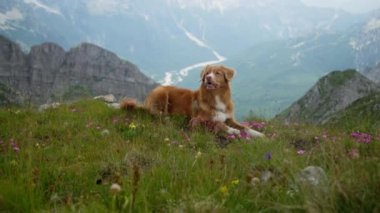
(255, 125)
(354, 153)
(301, 151)
(14, 145)
(362, 137)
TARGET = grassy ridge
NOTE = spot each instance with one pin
(66, 159)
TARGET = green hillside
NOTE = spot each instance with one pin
(362, 115)
(90, 158)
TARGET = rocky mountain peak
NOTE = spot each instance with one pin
(330, 94)
(49, 73)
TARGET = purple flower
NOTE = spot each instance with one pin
(268, 156)
(362, 137)
(14, 145)
(244, 135)
(254, 125)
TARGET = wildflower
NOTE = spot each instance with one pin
(180, 146)
(115, 188)
(105, 132)
(223, 190)
(231, 136)
(354, 153)
(268, 156)
(198, 155)
(301, 151)
(89, 125)
(14, 145)
(244, 135)
(132, 126)
(167, 139)
(115, 120)
(255, 125)
(235, 182)
(324, 135)
(362, 137)
(255, 180)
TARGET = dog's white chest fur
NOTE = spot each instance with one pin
(220, 114)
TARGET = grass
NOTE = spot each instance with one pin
(66, 159)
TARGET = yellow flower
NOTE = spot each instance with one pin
(235, 182)
(223, 190)
(132, 126)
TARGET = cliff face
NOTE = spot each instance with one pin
(49, 73)
(329, 95)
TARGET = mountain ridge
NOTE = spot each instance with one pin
(49, 73)
(331, 94)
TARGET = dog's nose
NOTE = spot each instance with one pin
(208, 78)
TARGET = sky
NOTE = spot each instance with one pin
(355, 6)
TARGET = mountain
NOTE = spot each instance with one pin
(49, 73)
(166, 35)
(362, 115)
(279, 48)
(332, 93)
(373, 73)
(277, 73)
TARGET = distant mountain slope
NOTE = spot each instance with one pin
(362, 115)
(277, 73)
(49, 73)
(329, 95)
(373, 73)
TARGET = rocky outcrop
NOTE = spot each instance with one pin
(329, 95)
(373, 73)
(49, 73)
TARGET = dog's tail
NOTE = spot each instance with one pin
(130, 104)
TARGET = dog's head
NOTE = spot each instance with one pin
(216, 76)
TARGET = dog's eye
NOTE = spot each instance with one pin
(218, 73)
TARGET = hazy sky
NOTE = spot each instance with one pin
(356, 6)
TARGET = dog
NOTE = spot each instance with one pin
(210, 103)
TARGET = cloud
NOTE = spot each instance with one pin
(104, 7)
(220, 5)
(38, 4)
(12, 15)
(348, 5)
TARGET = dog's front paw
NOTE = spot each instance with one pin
(233, 131)
(254, 133)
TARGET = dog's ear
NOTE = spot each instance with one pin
(204, 71)
(228, 73)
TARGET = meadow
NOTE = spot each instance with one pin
(87, 157)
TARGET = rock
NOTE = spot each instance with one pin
(106, 98)
(312, 175)
(49, 74)
(114, 105)
(49, 106)
(266, 176)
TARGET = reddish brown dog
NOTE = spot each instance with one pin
(211, 102)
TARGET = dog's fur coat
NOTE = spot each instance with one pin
(210, 103)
